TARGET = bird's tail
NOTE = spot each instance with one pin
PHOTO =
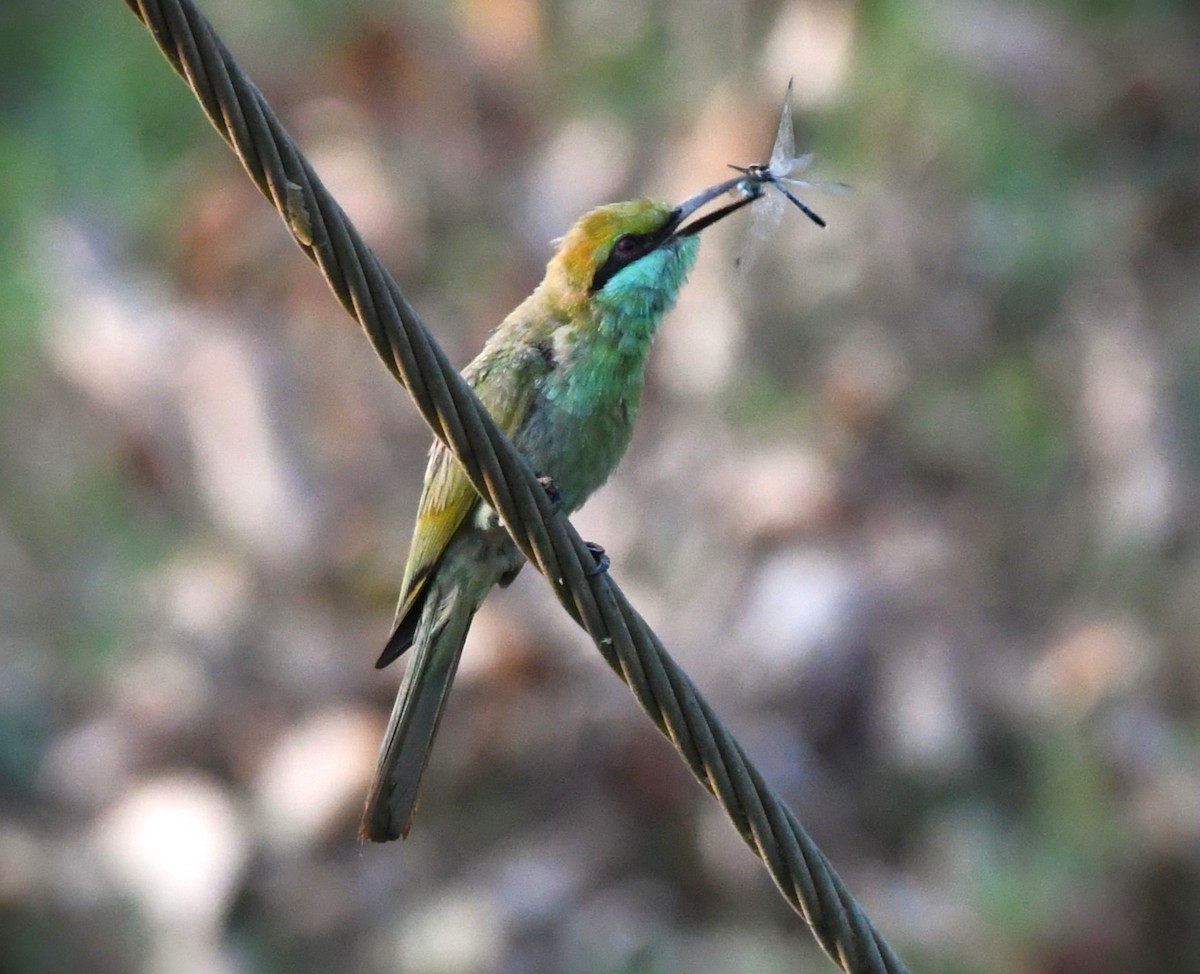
(437, 646)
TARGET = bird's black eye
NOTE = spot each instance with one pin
(627, 245)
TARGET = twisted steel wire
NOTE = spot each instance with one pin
(242, 117)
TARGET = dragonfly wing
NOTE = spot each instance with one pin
(768, 211)
(791, 168)
(785, 141)
(767, 215)
(824, 187)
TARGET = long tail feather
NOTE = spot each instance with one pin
(440, 635)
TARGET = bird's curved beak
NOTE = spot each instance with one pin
(694, 203)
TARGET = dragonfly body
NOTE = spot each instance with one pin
(759, 175)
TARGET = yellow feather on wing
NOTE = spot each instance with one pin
(504, 378)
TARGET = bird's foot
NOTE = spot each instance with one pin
(601, 558)
(551, 488)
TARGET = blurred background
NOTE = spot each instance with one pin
(914, 498)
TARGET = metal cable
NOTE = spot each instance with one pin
(242, 117)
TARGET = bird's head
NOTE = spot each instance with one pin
(635, 254)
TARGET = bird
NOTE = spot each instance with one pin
(562, 377)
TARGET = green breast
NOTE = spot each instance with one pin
(583, 415)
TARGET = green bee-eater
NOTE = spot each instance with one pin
(562, 377)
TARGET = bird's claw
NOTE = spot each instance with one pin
(551, 488)
(601, 558)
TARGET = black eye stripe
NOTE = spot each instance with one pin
(623, 254)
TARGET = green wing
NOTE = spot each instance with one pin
(505, 379)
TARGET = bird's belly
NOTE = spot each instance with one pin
(578, 450)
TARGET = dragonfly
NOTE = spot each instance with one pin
(780, 173)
